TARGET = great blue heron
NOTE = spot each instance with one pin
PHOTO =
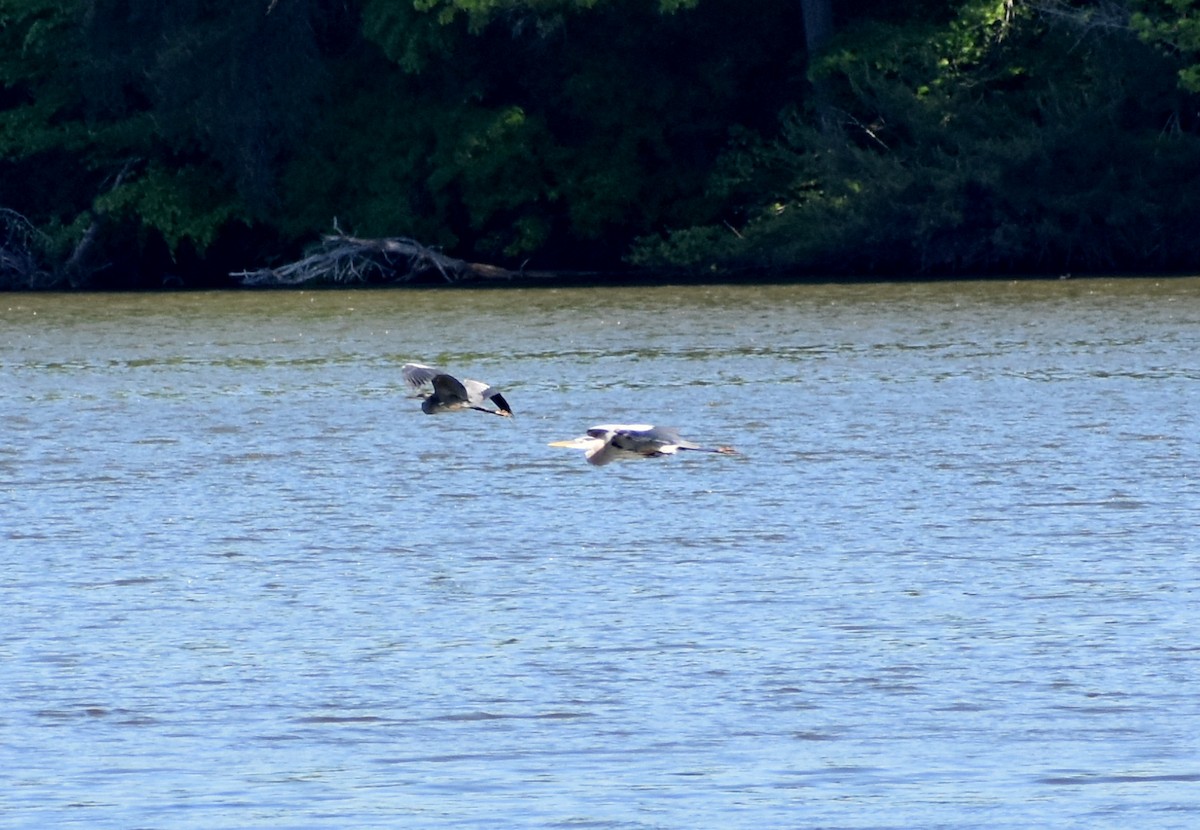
(449, 393)
(609, 442)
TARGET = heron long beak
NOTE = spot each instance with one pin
(581, 443)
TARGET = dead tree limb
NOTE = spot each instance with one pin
(348, 259)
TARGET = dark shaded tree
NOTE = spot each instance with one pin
(818, 23)
(151, 127)
(557, 130)
(215, 136)
(1004, 140)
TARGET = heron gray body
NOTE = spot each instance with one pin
(611, 442)
(446, 393)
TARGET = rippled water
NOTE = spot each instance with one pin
(952, 579)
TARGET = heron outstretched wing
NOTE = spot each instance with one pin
(601, 430)
(478, 392)
(669, 439)
(449, 389)
(418, 375)
(648, 442)
(501, 404)
(613, 441)
(602, 452)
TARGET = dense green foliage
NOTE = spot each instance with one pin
(1008, 139)
(951, 136)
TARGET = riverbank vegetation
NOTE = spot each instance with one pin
(201, 143)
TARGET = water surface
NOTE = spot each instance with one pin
(950, 581)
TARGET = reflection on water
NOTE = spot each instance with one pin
(951, 579)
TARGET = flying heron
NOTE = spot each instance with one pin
(609, 442)
(449, 393)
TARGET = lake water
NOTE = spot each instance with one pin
(951, 580)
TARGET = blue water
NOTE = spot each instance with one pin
(951, 580)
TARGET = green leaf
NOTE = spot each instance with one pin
(181, 204)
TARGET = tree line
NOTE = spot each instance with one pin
(143, 143)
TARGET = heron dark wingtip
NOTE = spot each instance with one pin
(502, 405)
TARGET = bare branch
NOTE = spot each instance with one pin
(347, 259)
(1108, 15)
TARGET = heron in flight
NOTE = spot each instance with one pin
(609, 442)
(449, 393)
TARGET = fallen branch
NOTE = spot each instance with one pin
(347, 259)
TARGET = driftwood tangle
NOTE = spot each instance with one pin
(348, 259)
